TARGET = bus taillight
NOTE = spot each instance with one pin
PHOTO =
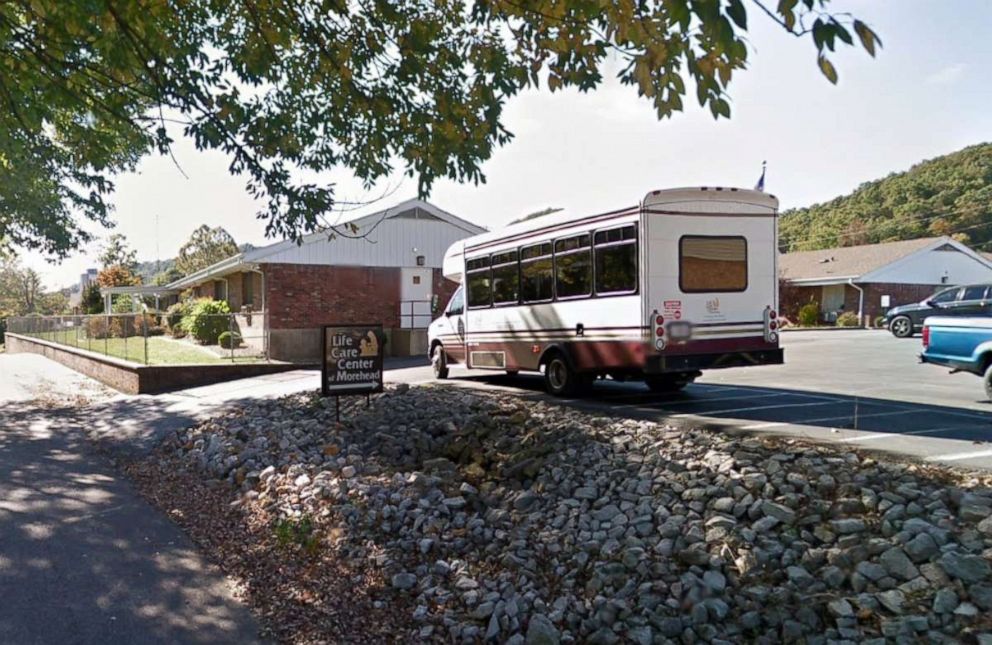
(658, 330)
(771, 325)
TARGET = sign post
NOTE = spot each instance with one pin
(351, 361)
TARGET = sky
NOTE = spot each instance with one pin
(926, 94)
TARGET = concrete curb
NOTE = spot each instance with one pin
(134, 378)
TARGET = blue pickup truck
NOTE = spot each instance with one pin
(963, 344)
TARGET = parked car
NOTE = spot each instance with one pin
(969, 300)
(963, 344)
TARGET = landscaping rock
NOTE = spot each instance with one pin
(500, 519)
(965, 566)
(540, 631)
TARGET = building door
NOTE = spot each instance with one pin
(416, 291)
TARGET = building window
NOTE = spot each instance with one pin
(616, 260)
(573, 267)
(506, 281)
(710, 264)
(536, 273)
(479, 279)
(416, 279)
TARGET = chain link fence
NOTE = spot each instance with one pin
(154, 339)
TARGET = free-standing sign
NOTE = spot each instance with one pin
(352, 359)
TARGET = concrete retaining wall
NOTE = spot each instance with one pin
(132, 378)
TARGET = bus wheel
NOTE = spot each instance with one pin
(988, 381)
(561, 380)
(668, 382)
(439, 362)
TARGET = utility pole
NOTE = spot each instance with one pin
(158, 256)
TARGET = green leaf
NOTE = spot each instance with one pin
(867, 36)
(843, 34)
(786, 8)
(738, 13)
(827, 68)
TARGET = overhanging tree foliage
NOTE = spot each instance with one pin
(90, 86)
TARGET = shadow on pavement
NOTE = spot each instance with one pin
(84, 559)
(772, 406)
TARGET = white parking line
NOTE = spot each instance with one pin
(647, 393)
(709, 413)
(858, 417)
(959, 456)
(661, 404)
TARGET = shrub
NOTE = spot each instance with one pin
(147, 325)
(174, 317)
(229, 340)
(206, 320)
(299, 533)
(809, 314)
(97, 328)
(848, 319)
(156, 330)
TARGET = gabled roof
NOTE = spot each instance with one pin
(848, 262)
(361, 223)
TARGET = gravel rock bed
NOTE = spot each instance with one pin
(488, 517)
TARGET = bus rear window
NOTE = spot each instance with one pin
(712, 264)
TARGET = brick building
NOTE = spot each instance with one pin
(871, 278)
(384, 267)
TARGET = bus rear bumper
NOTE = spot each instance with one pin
(663, 364)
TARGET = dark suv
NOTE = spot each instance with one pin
(969, 300)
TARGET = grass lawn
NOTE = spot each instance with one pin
(161, 350)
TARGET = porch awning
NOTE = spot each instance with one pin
(139, 290)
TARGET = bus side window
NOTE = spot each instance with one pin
(616, 260)
(573, 267)
(506, 281)
(479, 282)
(536, 273)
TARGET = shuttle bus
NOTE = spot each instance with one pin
(684, 281)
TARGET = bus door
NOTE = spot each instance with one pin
(453, 337)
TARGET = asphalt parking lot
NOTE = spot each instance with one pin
(862, 388)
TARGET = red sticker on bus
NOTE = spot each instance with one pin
(672, 309)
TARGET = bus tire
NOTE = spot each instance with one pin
(987, 380)
(561, 379)
(439, 362)
(660, 383)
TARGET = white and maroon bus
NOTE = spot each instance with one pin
(682, 282)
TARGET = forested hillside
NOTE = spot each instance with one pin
(949, 195)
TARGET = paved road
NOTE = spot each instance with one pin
(83, 559)
(861, 388)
